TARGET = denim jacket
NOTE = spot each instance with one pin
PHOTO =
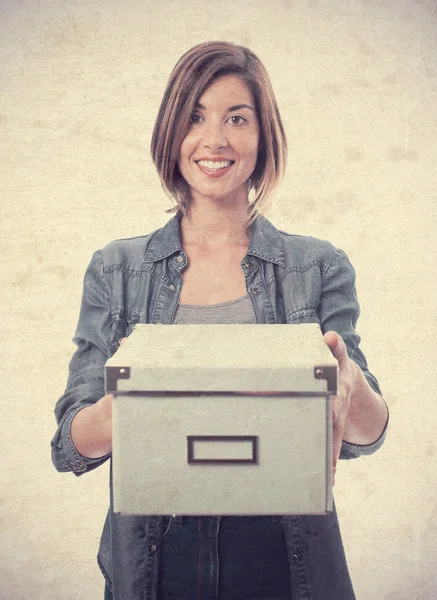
(289, 279)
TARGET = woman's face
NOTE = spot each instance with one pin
(220, 150)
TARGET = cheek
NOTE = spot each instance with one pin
(188, 146)
(182, 152)
(251, 150)
(251, 144)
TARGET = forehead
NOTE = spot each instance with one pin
(227, 89)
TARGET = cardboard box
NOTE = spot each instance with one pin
(222, 420)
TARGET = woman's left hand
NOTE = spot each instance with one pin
(345, 387)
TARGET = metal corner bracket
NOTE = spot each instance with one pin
(112, 375)
(328, 372)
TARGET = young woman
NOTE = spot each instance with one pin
(219, 147)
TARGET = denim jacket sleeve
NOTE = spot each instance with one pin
(85, 383)
(339, 311)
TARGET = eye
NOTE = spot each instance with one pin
(239, 118)
(195, 118)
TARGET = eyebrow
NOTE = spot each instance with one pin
(230, 109)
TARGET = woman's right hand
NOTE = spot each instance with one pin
(91, 428)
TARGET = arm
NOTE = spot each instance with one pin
(85, 384)
(364, 415)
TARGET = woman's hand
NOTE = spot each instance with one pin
(91, 428)
(345, 387)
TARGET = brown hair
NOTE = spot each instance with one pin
(193, 73)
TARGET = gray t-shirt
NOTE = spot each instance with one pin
(239, 311)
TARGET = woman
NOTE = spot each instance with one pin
(220, 148)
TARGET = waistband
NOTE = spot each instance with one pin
(179, 519)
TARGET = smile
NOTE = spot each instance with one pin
(216, 168)
(209, 164)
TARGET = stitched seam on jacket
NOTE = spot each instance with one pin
(329, 268)
(297, 269)
(120, 267)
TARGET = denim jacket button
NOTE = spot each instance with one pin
(295, 558)
(179, 258)
(256, 290)
(153, 548)
(171, 287)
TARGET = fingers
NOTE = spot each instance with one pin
(346, 376)
(336, 345)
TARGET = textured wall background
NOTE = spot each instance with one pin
(80, 86)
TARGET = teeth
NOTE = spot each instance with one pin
(209, 164)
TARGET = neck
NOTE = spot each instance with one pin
(212, 225)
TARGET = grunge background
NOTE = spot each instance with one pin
(81, 83)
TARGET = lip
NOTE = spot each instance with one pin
(216, 173)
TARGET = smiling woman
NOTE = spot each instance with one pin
(218, 140)
(220, 150)
(219, 95)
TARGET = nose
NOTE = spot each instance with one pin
(214, 136)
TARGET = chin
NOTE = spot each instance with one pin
(218, 194)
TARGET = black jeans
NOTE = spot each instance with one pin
(242, 558)
(231, 558)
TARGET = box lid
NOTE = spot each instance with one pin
(223, 358)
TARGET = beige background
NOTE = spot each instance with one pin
(81, 83)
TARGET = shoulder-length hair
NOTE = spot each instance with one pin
(193, 73)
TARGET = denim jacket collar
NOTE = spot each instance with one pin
(265, 241)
